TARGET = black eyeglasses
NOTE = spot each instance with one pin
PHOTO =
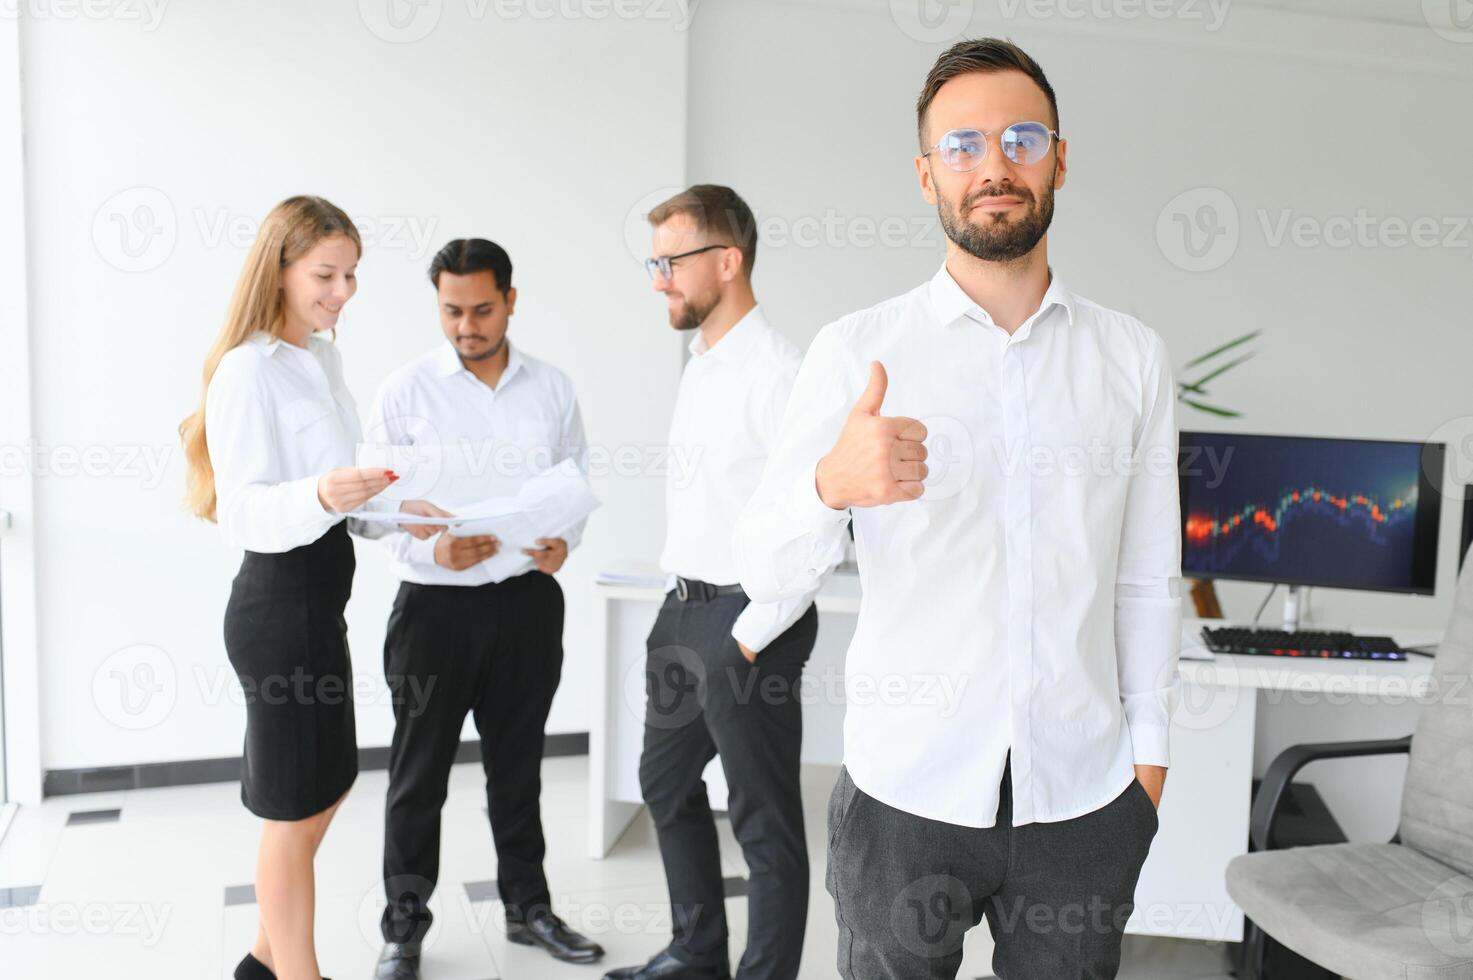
(661, 266)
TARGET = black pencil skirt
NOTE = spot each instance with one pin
(288, 642)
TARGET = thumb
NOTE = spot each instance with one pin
(873, 395)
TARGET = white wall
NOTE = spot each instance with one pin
(537, 133)
(20, 737)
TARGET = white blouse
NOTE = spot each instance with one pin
(277, 417)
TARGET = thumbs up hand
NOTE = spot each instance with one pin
(877, 460)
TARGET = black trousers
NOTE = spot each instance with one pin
(1055, 895)
(496, 652)
(703, 698)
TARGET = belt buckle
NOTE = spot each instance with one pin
(682, 591)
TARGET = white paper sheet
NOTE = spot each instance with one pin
(546, 506)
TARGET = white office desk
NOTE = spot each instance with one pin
(1204, 811)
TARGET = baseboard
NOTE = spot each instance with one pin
(193, 772)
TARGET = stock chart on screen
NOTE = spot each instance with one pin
(1347, 513)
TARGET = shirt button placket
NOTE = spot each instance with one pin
(1018, 545)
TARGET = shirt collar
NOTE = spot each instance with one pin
(952, 304)
(265, 341)
(448, 363)
(270, 345)
(742, 333)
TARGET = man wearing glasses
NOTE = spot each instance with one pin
(722, 672)
(1028, 557)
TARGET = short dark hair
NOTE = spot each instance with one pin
(980, 54)
(467, 255)
(718, 210)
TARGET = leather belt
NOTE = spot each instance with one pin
(689, 588)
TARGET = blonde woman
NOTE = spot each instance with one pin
(269, 455)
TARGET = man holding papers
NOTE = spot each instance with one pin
(722, 672)
(477, 625)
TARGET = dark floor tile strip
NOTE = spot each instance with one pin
(240, 895)
(19, 896)
(66, 782)
(482, 891)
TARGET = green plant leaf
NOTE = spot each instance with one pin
(1225, 347)
(1222, 370)
(1226, 413)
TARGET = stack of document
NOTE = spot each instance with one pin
(548, 505)
(637, 575)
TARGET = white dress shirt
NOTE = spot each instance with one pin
(1028, 601)
(482, 442)
(727, 411)
(277, 417)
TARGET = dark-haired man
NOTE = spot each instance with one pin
(722, 672)
(1032, 564)
(474, 631)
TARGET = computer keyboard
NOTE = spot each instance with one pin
(1301, 643)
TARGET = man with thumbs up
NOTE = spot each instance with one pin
(1007, 451)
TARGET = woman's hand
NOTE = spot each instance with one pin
(423, 508)
(348, 488)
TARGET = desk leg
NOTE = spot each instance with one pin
(608, 818)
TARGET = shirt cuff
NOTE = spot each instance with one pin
(762, 622)
(421, 551)
(808, 506)
(1151, 745)
(307, 506)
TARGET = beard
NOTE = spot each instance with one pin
(694, 311)
(992, 237)
(489, 352)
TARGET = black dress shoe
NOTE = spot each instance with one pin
(552, 934)
(398, 961)
(666, 967)
(251, 968)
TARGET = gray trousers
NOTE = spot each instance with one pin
(1055, 895)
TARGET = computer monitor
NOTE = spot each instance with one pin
(1467, 538)
(1342, 513)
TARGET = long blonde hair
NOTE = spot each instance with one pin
(291, 230)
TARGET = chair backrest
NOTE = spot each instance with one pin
(1437, 806)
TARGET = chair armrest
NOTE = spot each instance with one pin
(1290, 761)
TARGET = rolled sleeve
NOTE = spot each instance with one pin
(762, 622)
